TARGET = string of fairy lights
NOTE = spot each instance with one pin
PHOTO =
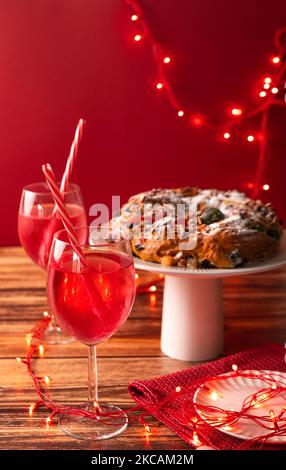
(196, 417)
(271, 93)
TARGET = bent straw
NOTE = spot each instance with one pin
(71, 159)
(72, 235)
(64, 215)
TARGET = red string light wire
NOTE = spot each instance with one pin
(271, 93)
(187, 415)
(34, 342)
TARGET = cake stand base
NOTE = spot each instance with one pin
(192, 320)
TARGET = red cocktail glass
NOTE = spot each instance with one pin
(91, 303)
(37, 223)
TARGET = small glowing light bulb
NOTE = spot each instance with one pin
(31, 410)
(134, 18)
(19, 359)
(181, 113)
(47, 380)
(234, 367)
(152, 288)
(276, 60)
(41, 350)
(45, 313)
(28, 339)
(226, 135)
(266, 86)
(274, 386)
(236, 111)
(48, 421)
(262, 94)
(250, 138)
(266, 187)
(136, 275)
(267, 80)
(195, 440)
(227, 427)
(167, 60)
(159, 85)
(273, 417)
(137, 37)
(274, 90)
(147, 429)
(214, 395)
(178, 389)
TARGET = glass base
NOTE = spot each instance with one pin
(102, 427)
(55, 335)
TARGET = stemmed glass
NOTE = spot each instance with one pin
(37, 223)
(91, 303)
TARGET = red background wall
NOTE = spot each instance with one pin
(61, 60)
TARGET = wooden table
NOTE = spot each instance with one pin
(255, 314)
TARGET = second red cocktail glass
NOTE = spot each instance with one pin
(37, 223)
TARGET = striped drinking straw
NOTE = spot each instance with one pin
(72, 155)
(62, 210)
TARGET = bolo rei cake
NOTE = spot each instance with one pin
(232, 230)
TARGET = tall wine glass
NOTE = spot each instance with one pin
(91, 303)
(37, 223)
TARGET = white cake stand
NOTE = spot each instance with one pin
(192, 317)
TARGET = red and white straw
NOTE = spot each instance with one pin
(62, 210)
(72, 155)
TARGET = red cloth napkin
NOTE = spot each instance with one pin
(149, 393)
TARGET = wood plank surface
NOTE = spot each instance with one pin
(255, 314)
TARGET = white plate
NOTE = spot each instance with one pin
(231, 393)
(277, 261)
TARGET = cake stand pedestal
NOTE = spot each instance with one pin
(192, 317)
(192, 320)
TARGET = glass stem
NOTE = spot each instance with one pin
(92, 378)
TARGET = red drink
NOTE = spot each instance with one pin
(36, 229)
(91, 298)
(93, 304)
